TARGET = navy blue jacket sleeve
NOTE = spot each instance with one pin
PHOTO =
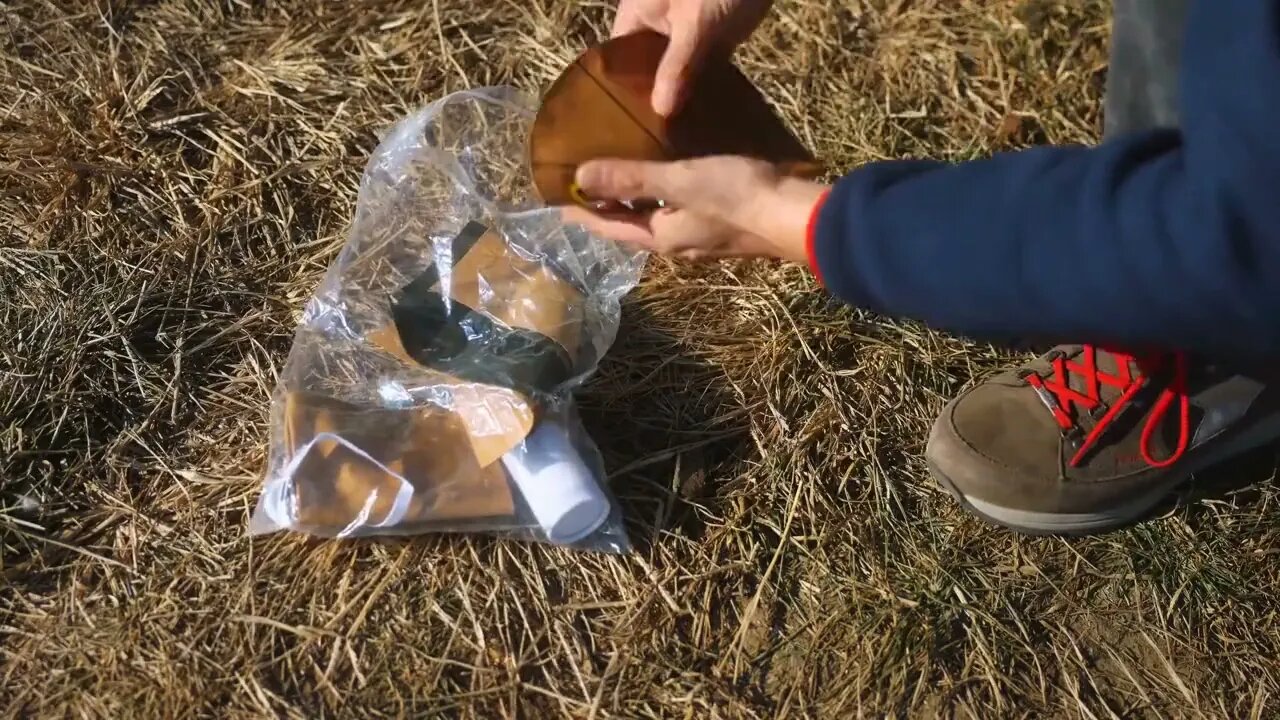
(1168, 239)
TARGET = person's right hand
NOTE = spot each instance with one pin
(695, 28)
(714, 207)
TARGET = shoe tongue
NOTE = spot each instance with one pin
(1105, 363)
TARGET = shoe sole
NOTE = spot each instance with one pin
(1116, 517)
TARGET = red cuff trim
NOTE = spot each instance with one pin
(811, 235)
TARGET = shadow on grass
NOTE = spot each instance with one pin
(667, 427)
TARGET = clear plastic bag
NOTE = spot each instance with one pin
(429, 387)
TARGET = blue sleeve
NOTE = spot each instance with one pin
(1160, 240)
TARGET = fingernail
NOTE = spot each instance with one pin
(588, 174)
(663, 100)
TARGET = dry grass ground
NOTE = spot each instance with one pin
(176, 175)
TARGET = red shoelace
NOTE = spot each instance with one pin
(1057, 393)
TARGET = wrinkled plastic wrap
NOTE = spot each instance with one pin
(430, 384)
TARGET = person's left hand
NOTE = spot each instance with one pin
(714, 207)
(696, 28)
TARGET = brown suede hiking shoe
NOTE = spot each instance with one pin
(1083, 440)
